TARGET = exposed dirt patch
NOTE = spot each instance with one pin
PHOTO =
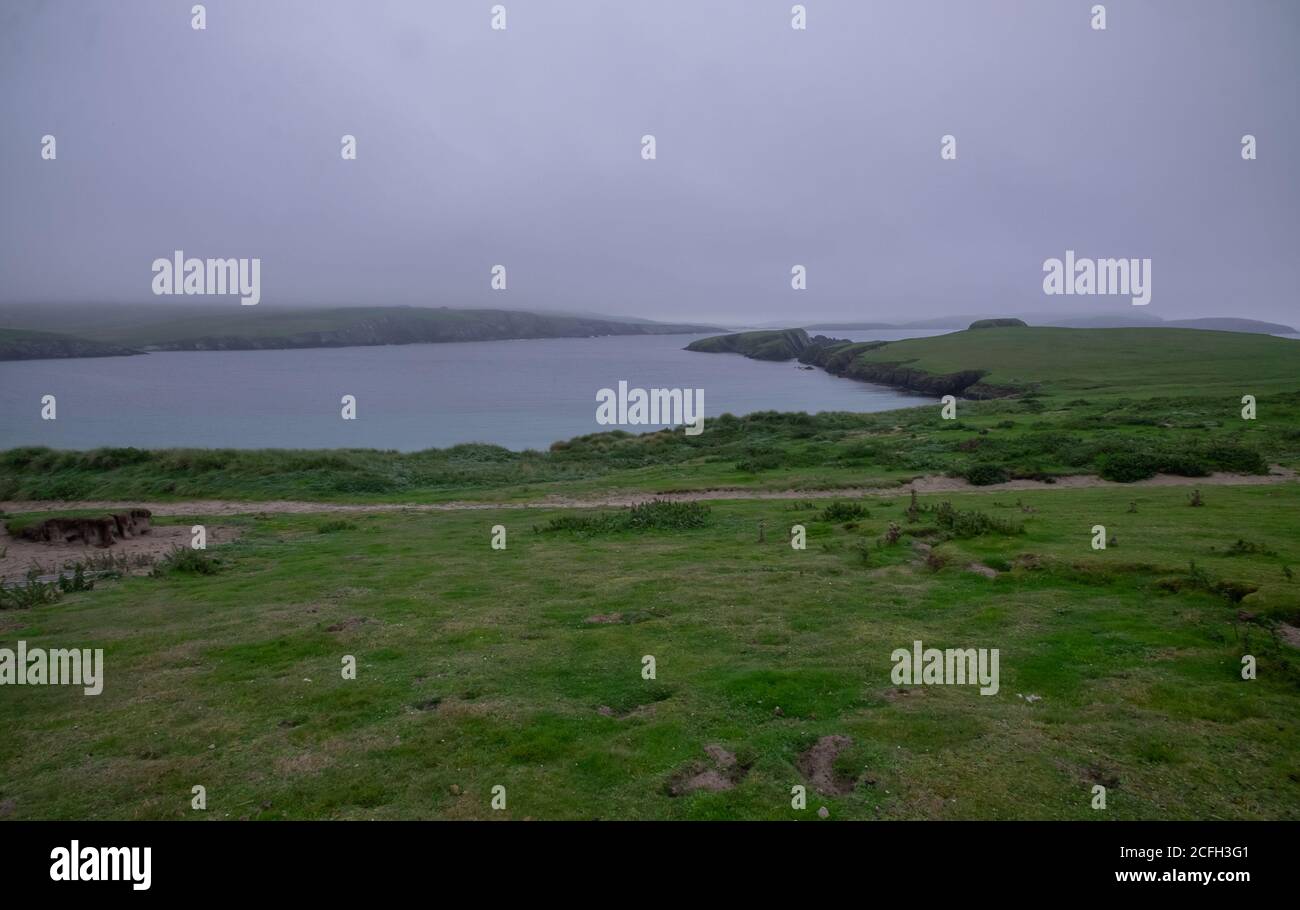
(980, 569)
(898, 693)
(429, 704)
(817, 765)
(1104, 776)
(721, 757)
(21, 555)
(605, 618)
(305, 763)
(1089, 774)
(629, 618)
(1289, 634)
(347, 625)
(722, 772)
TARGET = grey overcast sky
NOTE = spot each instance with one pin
(775, 147)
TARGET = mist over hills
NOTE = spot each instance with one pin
(32, 332)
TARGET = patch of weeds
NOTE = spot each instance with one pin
(1248, 548)
(31, 593)
(338, 524)
(77, 582)
(662, 515)
(656, 515)
(187, 561)
(1197, 579)
(963, 523)
(843, 511)
(981, 475)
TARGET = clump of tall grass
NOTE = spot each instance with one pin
(972, 523)
(656, 515)
(32, 592)
(843, 511)
(187, 561)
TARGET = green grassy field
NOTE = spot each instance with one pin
(1110, 363)
(478, 667)
(522, 667)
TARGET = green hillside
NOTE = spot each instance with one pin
(254, 328)
(1123, 362)
(16, 344)
(1004, 361)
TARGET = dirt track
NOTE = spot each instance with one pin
(927, 484)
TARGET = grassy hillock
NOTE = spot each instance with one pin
(782, 344)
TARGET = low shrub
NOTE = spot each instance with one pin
(971, 523)
(982, 475)
(843, 511)
(656, 515)
(187, 561)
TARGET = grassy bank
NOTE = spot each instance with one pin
(1121, 439)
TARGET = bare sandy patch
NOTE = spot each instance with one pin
(21, 555)
(817, 765)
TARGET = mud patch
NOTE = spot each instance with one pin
(604, 618)
(817, 765)
(722, 772)
(348, 625)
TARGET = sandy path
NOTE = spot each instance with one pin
(926, 484)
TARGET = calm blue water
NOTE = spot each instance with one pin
(518, 394)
